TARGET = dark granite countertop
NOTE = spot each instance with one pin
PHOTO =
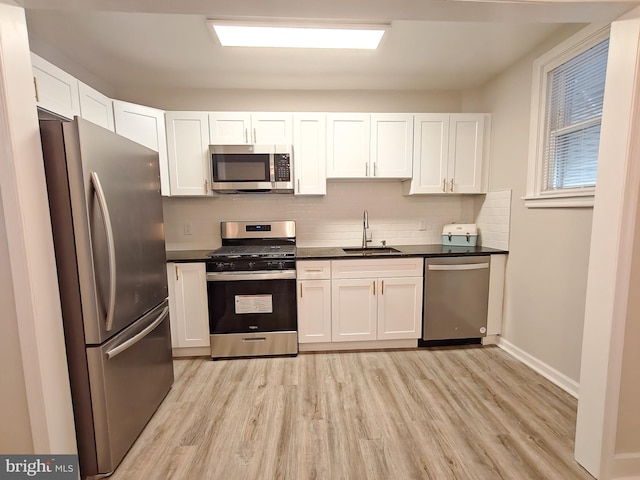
(336, 253)
(188, 255)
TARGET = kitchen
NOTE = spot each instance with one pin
(555, 319)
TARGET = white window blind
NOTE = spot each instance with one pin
(575, 92)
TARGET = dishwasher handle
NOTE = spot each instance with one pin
(463, 266)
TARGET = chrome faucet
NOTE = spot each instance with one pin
(365, 226)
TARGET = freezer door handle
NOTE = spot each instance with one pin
(468, 266)
(135, 339)
(102, 202)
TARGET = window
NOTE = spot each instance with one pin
(565, 123)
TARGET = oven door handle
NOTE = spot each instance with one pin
(258, 275)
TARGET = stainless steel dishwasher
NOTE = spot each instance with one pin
(456, 297)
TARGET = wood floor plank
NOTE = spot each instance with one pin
(463, 413)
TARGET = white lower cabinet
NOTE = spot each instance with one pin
(314, 311)
(360, 300)
(399, 308)
(314, 301)
(354, 310)
(188, 304)
(385, 308)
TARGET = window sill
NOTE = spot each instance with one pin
(584, 200)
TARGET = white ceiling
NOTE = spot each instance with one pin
(169, 45)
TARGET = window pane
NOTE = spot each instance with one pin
(575, 94)
(576, 159)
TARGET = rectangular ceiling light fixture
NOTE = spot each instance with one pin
(236, 34)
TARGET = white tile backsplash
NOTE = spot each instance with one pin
(493, 219)
(331, 220)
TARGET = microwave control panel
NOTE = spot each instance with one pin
(282, 167)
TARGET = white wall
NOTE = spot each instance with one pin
(331, 220)
(549, 248)
(608, 421)
(295, 100)
(30, 245)
(15, 435)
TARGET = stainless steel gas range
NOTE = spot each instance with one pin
(251, 287)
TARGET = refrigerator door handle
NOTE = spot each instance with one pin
(102, 202)
(136, 338)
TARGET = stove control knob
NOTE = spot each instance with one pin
(219, 265)
(251, 265)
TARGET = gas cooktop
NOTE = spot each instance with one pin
(270, 251)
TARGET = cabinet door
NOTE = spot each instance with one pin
(353, 310)
(314, 311)
(188, 151)
(188, 305)
(310, 154)
(348, 145)
(96, 107)
(56, 90)
(466, 135)
(271, 128)
(144, 125)
(230, 128)
(399, 308)
(391, 145)
(431, 153)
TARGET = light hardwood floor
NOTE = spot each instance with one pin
(470, 413)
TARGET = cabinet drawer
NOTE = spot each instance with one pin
(313, 270)
(377, 267)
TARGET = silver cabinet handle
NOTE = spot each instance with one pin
(451, 185)
(298, 185)
(444, 184)
(35, 84)
(375, 172)
(255, 137)
(366, 169)
(102, 203)
(135, 339)
(246, 135)
(468, 266)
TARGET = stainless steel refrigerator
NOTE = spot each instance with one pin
(106, 212)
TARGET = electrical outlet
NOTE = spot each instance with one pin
(188, 228)
(422, 225)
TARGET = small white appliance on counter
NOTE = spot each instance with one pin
(460, 234)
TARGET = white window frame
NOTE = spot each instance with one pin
(565, 51)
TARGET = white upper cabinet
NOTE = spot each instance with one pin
(348, 145)
(391, 145)
(56, 91)
(96, 107)
(466, 144)
(448, 153)
(188, 152)
(144, 125)
(243, 128)
(310, 154)
(378, 145)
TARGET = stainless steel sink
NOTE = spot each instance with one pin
(369, 250)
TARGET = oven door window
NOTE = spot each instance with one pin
(240, 167)
(252, 306)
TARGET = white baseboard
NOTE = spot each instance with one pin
(626, 466)
(558, 378)
(191, 352)
(347, 346)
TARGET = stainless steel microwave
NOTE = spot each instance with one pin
(251, 168)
